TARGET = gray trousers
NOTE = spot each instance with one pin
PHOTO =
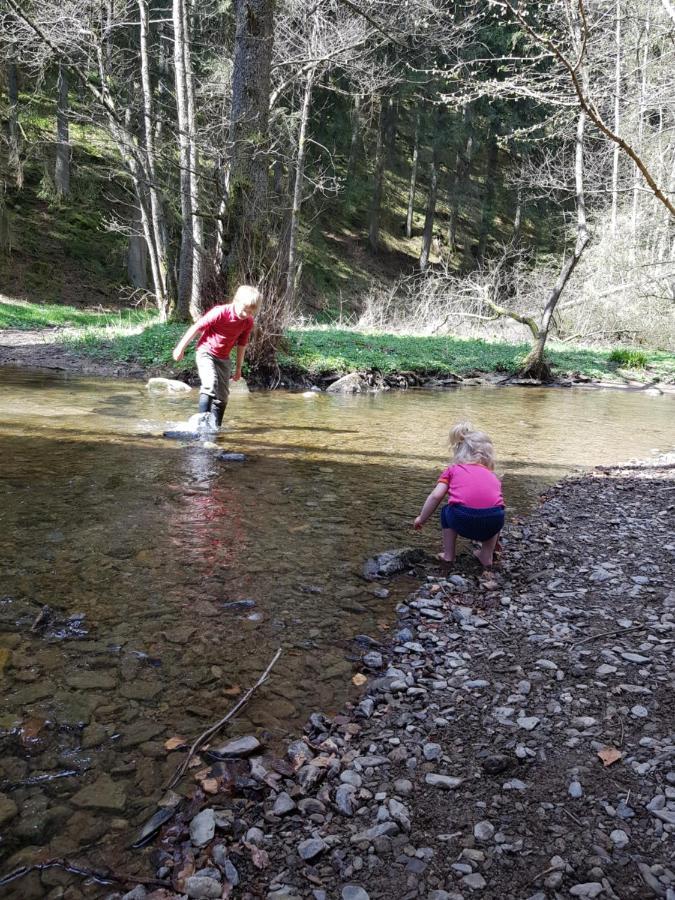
(214, 374)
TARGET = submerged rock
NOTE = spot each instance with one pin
(348, 384)
(170, 385)
(391, 562)
(231, 457)
(102, 794)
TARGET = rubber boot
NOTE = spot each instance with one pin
(205, 401)
(218, 411)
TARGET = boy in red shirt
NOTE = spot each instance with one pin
(221, 328)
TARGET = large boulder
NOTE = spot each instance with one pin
(349, 384)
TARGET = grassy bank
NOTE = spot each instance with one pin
(136, 337)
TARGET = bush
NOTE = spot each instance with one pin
(629, 359)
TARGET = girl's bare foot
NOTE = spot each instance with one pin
(483, 558)
(444, 558)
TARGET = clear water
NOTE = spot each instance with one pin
(137, 544)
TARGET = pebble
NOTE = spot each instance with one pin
(283, 804)
(474, 882)
(203, 888)
(575, 790)
(354, 892)
(203, 827)
(445, 782)
(529, 723)
(619, 838)
(588, 890)
(639, 711)
(432, 751)
(484, 831)
(311, 848)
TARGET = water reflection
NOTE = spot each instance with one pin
(139, 547)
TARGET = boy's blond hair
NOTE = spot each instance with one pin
(471, 446)
(247, 297)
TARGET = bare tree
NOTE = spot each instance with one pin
(62, 162)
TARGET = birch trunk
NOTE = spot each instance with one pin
(186, 245)
(297, 191)
(196, 221)
(62, 161)
(413, 178)
(617, 117)
(535, 365)
(641, 113)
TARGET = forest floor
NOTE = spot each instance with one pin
(514, 742)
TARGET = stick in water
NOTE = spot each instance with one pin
(205, 735)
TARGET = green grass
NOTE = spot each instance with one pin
(629, 359)
(22, 314)
(319, 351)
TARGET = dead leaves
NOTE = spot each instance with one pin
(359, 679)
(175, 743)
(609, 755)
(259, 857)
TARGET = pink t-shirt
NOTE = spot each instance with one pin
(470, 484)
(221, 329)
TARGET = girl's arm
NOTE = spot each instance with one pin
(191, 333)
(430, 504)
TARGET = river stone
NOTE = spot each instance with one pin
(231, 456)
(354, 892)
(243, 746)
(311, 848)
(619, 838)
(445, 782)
(474, 882)
(168, 384)
(203, 888)
(203, 827)
(140, 690)
(91, 681)
(391, 562)
(353, 383)
(588, 890)
(104, 793)
(283, 804)
(344, 799)
(139, 733)
(484, 831)
(8, 809)
(386, 829)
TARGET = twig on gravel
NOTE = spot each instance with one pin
(608, 634)
(541, 874)
(205, 735)
(572, 817)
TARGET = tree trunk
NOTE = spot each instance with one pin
(183, 124)
(13, 133)
(248, 209)
(461, 179)
(535, 365)
(62, 162)
(518, 217)
(617, 117)
(378, 174)
(196, 221)
(641, 115)
(487, 213)
(297, 192)
(413, 178)
(137, 254)
(157, 246)
(431, 202)
(357, 128)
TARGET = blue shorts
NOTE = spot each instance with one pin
(474, 524)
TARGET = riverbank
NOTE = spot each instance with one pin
(514, 741)
(103, 344)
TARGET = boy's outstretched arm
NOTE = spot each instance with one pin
(241, 350)
(430, 504)
(189, 335)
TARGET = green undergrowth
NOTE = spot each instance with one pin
(315, 352)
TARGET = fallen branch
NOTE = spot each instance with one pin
(608, 634)
(100, 877)
(205, 735)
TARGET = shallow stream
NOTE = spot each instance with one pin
(171, 577)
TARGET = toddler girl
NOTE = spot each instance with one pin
(475, 508)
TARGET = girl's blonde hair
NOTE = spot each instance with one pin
(471, 446)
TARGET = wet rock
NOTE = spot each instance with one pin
(243, 746)
(141, 690)
(168, 385)
(203, 828)
(231, 457)
(91, 681)
(392, 562)
(353, 383)
(373, 660)
(174, 434)
(104, 793)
